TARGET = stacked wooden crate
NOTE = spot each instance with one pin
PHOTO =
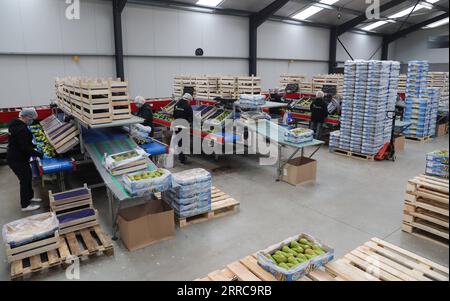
(228, 86)
(207, 87)
(120, 101)
(402, 83)
(94, 101)
(182, 81)
(61, 135)
(426, 212)
(287, 79)
(306, 87)
(440, 80)
(249, 85)
(321, 80)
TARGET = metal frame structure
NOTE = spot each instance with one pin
(268, 13)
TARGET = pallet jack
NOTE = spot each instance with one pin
(388, 152)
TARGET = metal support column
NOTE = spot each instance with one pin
(333, 49)
(118, 6)
(385, 49)
(253, 51)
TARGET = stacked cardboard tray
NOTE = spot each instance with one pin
(370, 92)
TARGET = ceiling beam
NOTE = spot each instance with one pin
(256, 20)
(363, 17)
(263, 15)
(411, 29)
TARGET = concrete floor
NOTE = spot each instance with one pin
(351, 202)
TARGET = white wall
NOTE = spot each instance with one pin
(360, 46)
(288, 48)
(414, 47)
(37, 41)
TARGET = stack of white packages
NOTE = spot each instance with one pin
(334, 139)
(252, 101)
(422, 103)
(437, 164)
(299, 135)
(191, 193)
(370, 91)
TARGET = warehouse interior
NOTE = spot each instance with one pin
(364, 190)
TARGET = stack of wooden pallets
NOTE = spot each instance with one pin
(426, 212)
(94, 101)
(402, 83)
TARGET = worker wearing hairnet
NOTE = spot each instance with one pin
(145, 112)
(319, 112)
(20, 149)
(183, 110)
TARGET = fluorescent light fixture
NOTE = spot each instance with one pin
(312, 10)
(432, 1)
(305, 14)
(210, 3)
(437, 23)
(374, 25)
(329, 2)
(406, 12)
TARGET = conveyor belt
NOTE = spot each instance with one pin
(99, 142)
(49, 166)
(155, 148)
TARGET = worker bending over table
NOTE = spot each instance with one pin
(183, 110)
(145, 112)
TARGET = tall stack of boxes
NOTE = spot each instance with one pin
(370, 92)
(422, 103)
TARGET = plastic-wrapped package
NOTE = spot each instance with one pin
(30, 229)
(252, 100)
(438, 164)
(191, 194)
(121, 159)
(149, 180)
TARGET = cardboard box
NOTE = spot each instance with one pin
(441, 130)
(400, 143)
(300, 170)
(147, 224)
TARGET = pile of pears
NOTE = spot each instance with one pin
(295, 254)
(125, 156)
(42, 141)
(147, 175)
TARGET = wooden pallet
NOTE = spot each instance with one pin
(426, 211)
(248, 269)
(419, 139)
(353, 155)
(379, 260)
(81, 244)
(221, 205)
(374, 261)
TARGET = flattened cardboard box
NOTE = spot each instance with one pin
(300, 170)
(147, 224)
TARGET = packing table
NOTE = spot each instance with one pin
(275, 133)
(99, 142)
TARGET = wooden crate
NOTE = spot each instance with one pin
(379, 260)
(33, 248)
(419, 139)
(95, 100)
(72, 202)
(120, 101)
(61, 135)
(426, 211)
(80, 244)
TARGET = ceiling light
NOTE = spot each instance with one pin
(432, 1)
(406, 11)
(374, 25)
(437, 23)
(211, 3)
(305, 14)
(329, 2)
